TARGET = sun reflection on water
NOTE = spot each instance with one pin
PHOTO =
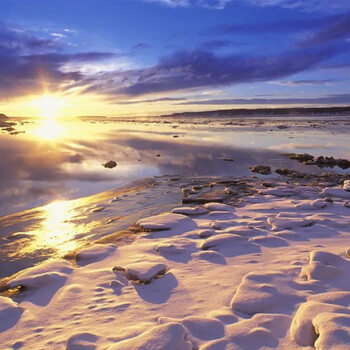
(49, 129)
(57, 232)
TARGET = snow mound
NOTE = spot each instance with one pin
(190, 211)
(265, 293)
(223, 224)
(168, 248)
(163, 222)
(210, 256)
(333, 330)
(245, 231)
(312, 205)
(270, 241)
(303, 330)
(325, 266)
(206, 233)
(229, 245)
(142, 272)
(219, 241)
(82, 341)
(198, 329)
(10, 313)
(261, 331)
(43, 275)
(279, 191)
(94, 253)
(285, 221)
(338, 192)
(218, 207)
(166, 337)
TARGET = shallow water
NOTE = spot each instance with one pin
(61, 160)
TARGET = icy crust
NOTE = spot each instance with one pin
(271, 273)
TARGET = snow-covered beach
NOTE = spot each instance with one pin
(244, 263)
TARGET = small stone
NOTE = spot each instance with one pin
(118, 269)
(110, 164)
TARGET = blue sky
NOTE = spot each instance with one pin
(173, 55)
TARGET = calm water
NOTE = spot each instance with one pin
(63, 159)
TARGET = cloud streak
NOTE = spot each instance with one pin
(198, 68)
(331, 99)
(29, 64)
(302, 5)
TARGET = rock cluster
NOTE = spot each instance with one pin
(321, 161)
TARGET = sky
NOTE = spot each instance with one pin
(146, 57)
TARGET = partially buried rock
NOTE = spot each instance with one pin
(110, 164)
(142, 272)
(261, 169)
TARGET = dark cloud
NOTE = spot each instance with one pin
(140, 46)
(306, 82)
(340, 29)
(331, 99)
(28, 63)
(199, 68)
(18, 40)
(266, 27)
(215, 44)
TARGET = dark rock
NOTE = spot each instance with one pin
(301, 157)
(110, 164)
(261, 169)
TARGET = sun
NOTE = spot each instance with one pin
(49, 106)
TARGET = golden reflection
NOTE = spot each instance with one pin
(49, 129)
(58, 231)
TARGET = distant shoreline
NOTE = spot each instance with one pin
(268, 112)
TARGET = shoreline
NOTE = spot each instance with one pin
(94, 207)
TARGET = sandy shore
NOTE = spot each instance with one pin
(243, 264)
